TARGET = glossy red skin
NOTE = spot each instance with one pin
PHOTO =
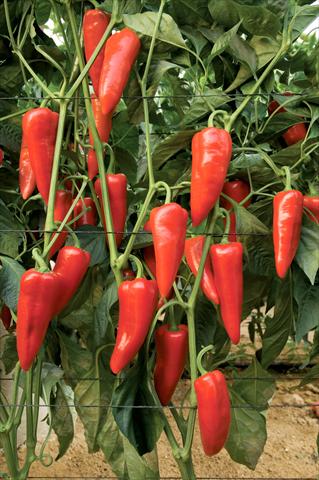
(89, 217)
(95, 22)
(104, 127)
(213, 406)
(168, 226)
(71, 266)
(121, 50)
(137, 303)
(211, 154)
(193, 253)
(237, 190)
(63, 202)
(38, 297)
(128, 274)
(6, 317)
(227, 261)
(171, 354)
(39, 128)
(26, 174)
(287, 218)
(312, 203)
(1, 156)
(117, 185)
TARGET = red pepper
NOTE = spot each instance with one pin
(193, 253)
(116, 184)
(121, 50)
(89, 217)
(39, 127)
(287, 218)
(1, 156)
(26, 174)
(95, 22)
(128, 274)
(237, 190)
(104, 125)
(312, 203)
(295, 133)
(38, 297)
(149, 253)
(227, 261)
(168, 225)
(6, 317)
(213, 406)
(63, 202)
(171, 353)
(211, 154)
(137, 303)
(71, 266)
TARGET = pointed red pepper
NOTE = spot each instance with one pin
(237, 190)
(63, 202)
(227, 261)
(6, 317)
(193, 253)
(211, 154)
(26, 174)
(168, 225)
(171, 354)
(137, 303)
(213, 405)
(89, 217)
(312, 204)
(287, 218)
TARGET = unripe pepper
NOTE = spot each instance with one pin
(71, 266)
(63, 202)
(213, 406)
(38, 297)
(171, 353)
(137, 303)
(95, 23)
(312, 204)
(211, 154)
(104, 126)
(193, 253)
(227, 261)
(287, 218)
(168, 225)
(116, 184)
(89, 217)
(294, 134)
(121, 50)
(6, 317)
(26, 174)
(237, 190)
(39, 127)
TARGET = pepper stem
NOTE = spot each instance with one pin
(39, 260)
(288, 177)
(227, 226)
(138, 264)
(168, 190)
(203, 352)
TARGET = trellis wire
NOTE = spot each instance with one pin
(157, 407)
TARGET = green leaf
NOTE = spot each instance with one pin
(190, 13)
(50, 376)
(144, 23)
(307, 255)
(124, 460)
(75, 360)
(9, 355)
(304, 16)
(141, 426)
(79, 302)
(248, 435)
(10, 276)
(42, 11)
(62, 420)
(312, 375)
(279, 327)
(307, 298)
(170, 146)
(94, 243)
(11, 232)
(224, 40)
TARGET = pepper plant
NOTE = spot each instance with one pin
(163, 142)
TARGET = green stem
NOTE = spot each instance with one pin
(39, 260)
(227, 226)
(288, 177)
(186, 468)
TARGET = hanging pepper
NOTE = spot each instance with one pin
(237, 190)
(104, 126)
(213, 405)
(168, 225)
(312, 204)
(294, 134)
(95, 22)
(171, 352)
(6, 317)
(149, 253)
(116, 184)
(63, 202)
(1, 156)
(137, 303)
(211, 154)
(39, 127)
(26, 174)
(193, 253)
(121, 50)
(71, 266)
(287, 218)
(38, 297)
(89, 217)
(227, 261)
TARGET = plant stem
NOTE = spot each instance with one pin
(186, 468)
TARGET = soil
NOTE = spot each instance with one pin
(290, 450)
